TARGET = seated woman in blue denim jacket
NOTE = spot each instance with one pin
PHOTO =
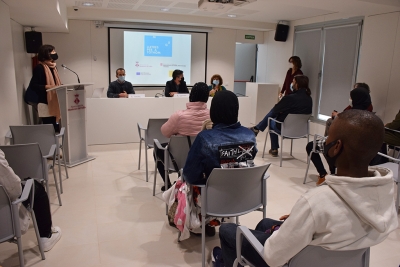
(204, 155)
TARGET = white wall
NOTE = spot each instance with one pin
(379, 59)
(9, 113)
(85, 50)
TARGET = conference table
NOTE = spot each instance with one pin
(114, 120)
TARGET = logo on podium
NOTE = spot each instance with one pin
(76, 101)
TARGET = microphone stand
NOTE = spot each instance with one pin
(65, 67)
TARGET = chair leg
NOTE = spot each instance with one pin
(65, 166)
(237, 220)
(147, 167)
(398, 198)
(235, 263)
(20, 252)
(59, 171)
(291, 147)
(140, 153)
(37, 235)
(203, 241)
(308, 166)
(281, 151)
(155, 175)
(265, 143)
(58, 191)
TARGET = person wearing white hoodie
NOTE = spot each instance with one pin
(49, 235)
(353, 210)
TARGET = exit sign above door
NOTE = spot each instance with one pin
(250, 37)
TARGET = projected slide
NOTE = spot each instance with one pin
(150, 58)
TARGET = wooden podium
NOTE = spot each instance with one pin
(72, 102)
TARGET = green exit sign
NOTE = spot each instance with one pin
(250, 37)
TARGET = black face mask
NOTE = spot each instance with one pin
(54, 56)
(331, 160)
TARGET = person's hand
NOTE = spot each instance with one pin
(124, 95)
(334, 113)
(212, 92)
(284, 217)
(172, 93)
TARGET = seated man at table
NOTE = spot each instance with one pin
(355, 210)
(120, 88)
(177, 85)
(186, 122)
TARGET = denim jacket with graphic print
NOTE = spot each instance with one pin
(203, 156)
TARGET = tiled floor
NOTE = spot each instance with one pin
(110, 218)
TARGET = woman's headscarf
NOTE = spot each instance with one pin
(224, 108)
(199, 93)
(360, 98)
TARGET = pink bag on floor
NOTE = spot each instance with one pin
(180, 216)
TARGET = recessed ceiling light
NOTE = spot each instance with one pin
(87, 4)
(164, 9)
(232, 16)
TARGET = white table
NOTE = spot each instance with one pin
(114, 120)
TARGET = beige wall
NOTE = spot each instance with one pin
(379, 63)
(85, 50)
(9, 113)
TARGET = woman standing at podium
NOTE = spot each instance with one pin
(45, 76)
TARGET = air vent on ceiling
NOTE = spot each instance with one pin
(222, 5)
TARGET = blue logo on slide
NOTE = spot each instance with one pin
(157, 46)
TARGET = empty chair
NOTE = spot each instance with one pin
(394, 166)
(153, 131)
(310, 256)
(231, 193)
(45, 136)
(395, 148)
(27, 161)
(10, 229)
(295, 126)
(178, 147)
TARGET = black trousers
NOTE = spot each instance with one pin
(160, 164)
(316, 160)
(51, 120)
(41, 208)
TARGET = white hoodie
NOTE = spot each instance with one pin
(347, 214)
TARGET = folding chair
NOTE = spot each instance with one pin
(394, 166)
(314, 150)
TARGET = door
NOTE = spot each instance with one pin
(245, 66)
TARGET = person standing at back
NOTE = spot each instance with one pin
(120, 88)
(295, 69)
(177, 85)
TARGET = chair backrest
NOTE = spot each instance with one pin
(178, 146)
(42, 134)
(314, 256)
(296, 126)
(233, 192)
(26, 160)
(154, 132)
(6, 219)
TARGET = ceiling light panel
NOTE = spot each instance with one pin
(82, 3)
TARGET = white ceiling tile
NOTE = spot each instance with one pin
(186, 5)
(159, 3)
(124, 1)
(179, 11)
(242, 11)
(119, 6)
(95, 4)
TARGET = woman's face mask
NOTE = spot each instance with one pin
(216, 82)
(54, 56)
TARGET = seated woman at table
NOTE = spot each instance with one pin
(177, 85)
(216, 84)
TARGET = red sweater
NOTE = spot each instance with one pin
(288, 80)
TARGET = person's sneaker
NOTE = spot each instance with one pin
(210, 230)
(254, 130)
(321, 181)
(273, 152)
(48, 243)
(217, 257)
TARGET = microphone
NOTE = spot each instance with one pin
(158, 94)
(237, 94)
(65, 67)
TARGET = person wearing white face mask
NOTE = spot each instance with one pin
(120, 88)
(216, 84)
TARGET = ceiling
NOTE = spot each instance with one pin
(260, 15)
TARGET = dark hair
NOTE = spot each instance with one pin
(302, 82)
(362, 85)
(360, 98)
(176, 73)
(218, 77)
(296, 61)
(199, 93)
(224, 108)
(116, 72)
(44, 52)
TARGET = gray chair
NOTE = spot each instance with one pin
(45, 136)
(231, 193)
(153, 131)
(310, 256)
(10, 229)
(395, 148)
(394, 166)
(295, 126)
(27, 161)
(314, 150)
(179, 148)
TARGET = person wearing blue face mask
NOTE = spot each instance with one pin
(216, 84)
(120, 88)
